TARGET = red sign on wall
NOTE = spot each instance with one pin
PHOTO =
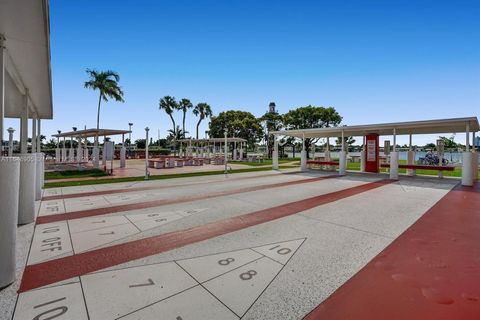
(372, 152)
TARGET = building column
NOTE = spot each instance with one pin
(303, 156)
(123, 153)
(394, 158)
(64, 151)
(467, 163)
(362, 156)
(24, 125)
(342, 168)
(34, 134)
(275, 153)
(411, 158)
(2, 90)
(475, 158)
(39, 135)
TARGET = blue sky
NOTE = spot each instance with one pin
(374, 61)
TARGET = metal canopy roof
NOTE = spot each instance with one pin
(213, 140)
(454, 125)
(91, 133)
(25, 25)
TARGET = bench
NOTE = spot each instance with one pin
(421, 166)
(157, 164)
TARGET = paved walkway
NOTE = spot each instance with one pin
(251, 246)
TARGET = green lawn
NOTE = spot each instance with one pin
(159, 177)
(75, 174)
(266, 162)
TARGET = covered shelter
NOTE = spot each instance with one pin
(82, 154)
(26, 94)
(371, 132)
(207, 147)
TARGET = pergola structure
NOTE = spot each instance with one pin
(206, 147)
(25, 93)
(82, 155)
(370, 149)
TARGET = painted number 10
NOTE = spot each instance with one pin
(281, 251)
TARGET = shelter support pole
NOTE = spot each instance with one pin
(104, 151)
(394, 158)
(234, 150)
(9, 196)
(363, 155)
(226, 153)
(411, 158)
(24, 125)
(275, 153)
(342, 169)
(147, 174)
(34, 134)
(123, 153)
(2, 90)
(39, 135)
(475, 158)
(467, 162)
(64, 151)
(303, 156)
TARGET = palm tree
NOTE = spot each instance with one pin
(106, 82)
(169, 105)
(184, 105)
(176, 134)
(202, 110)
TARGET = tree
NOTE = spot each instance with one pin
(184, 105)
(239, 124)
(202, 111)
(273, 122)
(177, 134)
(140, 143)
(106, 82)
(169, 105)
(349, 141)
(449, 142)
(311, 117)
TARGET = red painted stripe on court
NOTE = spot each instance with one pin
(156, 203)
(49, 272)
(105, 192)
(432, 271)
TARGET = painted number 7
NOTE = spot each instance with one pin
(281, 251)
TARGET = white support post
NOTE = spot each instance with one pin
(275, 153)
(475, 158)
(303, 156)
(226, 153)
(34, 134)
(411, 158)
(342, 168)
(394, 158)
(123, 153)
(64, 151)
(2, 90)
(467, 162)
(10, 141)
(147, 174)
(27, 188)
(363, 155)
(24, 125)
(9, 194)
(39, 136)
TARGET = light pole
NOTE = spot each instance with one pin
(10, 141)
(130, 139)
(146, 153)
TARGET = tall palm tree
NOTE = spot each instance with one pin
(202, 110)
(184, 105)
(106, 82)
(169, 105)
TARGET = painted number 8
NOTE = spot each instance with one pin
(248, 275)
(225, 262)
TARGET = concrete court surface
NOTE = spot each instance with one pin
(261, 245)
